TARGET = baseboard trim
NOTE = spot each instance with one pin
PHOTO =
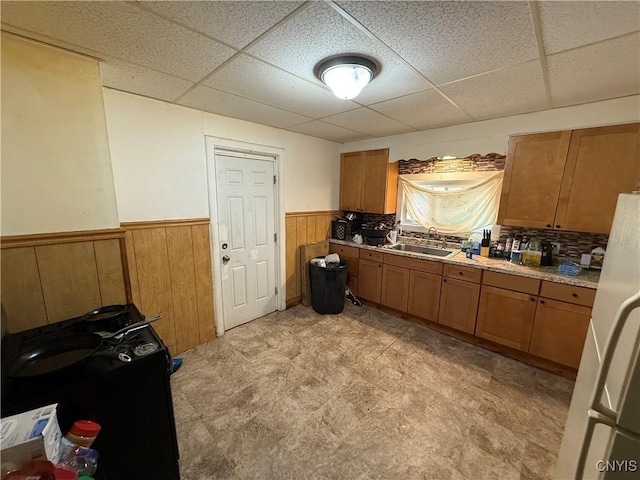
(293, 302)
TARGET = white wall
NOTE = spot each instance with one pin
(492, 135)
(159, 160)
(56, 170)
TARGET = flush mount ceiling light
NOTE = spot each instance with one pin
(346, 75)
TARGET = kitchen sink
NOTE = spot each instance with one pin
(436, 252)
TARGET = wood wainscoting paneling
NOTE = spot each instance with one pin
(302, 228)
(47, 278)
(169, 268)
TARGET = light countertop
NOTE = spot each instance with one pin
(586, 278)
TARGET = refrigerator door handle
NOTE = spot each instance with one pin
(617, 325)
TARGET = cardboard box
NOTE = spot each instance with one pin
(33, 435)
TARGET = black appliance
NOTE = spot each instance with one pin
(124, 386)
(546, 260)
(374, 236)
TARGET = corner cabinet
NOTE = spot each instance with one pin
(569, 180)
(368, 182)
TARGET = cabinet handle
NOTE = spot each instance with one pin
(558, 226)
(532, 299)
(548, 225)
(460, 273)
(575, 295)
(541, 301)
(444, 280)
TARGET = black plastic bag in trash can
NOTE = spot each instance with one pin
(328, 286)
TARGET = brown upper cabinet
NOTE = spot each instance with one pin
(368, 182)
(569, 180)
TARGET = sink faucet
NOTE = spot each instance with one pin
(429, 234)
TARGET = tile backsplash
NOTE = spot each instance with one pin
(573, 244)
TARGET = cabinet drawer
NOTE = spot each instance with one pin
(371, 255)
(349, 255)
(468, 274)
(413, 263)
(568, 293)
(511, 282)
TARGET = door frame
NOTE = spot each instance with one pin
(218, 145)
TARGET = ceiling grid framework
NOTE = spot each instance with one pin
(442, 63)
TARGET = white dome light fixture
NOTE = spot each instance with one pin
(346, 75)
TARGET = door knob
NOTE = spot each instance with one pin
(225, 258)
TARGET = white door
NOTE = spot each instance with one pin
(247, 244)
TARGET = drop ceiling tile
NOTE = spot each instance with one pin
(368, 122)
(222, 103)
(422, 110)
(260, 81)
(320, 129)
(121, 30)
(448, 40)
(504, 92)
(321, 33)
(234, 23)
(142, 81)
(604, 70)
(572, 24)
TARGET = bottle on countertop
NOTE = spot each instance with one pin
(508, 244)
(83, 433)
(597, 257)
(515, 245)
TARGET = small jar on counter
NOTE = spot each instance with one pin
(83, 433)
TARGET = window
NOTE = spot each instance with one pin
(423, 202)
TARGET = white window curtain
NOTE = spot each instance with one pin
(464, 210)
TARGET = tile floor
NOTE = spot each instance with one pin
(361, 395)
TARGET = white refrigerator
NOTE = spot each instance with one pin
(602, 434)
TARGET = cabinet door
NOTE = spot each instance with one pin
(602, 163)
(375, 184)
(424, 295)
(352, 283)
(370, 280)
(459, 304)
(349, 255)
(352, 177)
(532, 179)
(395, 287)
(559, 331)
(506, 317)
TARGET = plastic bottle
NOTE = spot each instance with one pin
(83, 433)
(597, 257)
(516, 243)
(508, 244)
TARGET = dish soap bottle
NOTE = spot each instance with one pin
(597, 257)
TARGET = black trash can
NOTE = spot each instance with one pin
(328, 286)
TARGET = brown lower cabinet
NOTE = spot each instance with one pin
(424, 295)
(369, 280)
(395, 287)
(559, 331)
(349, 255)
(352, 283)
(459, 304)
(499, 307)
(506, 317)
